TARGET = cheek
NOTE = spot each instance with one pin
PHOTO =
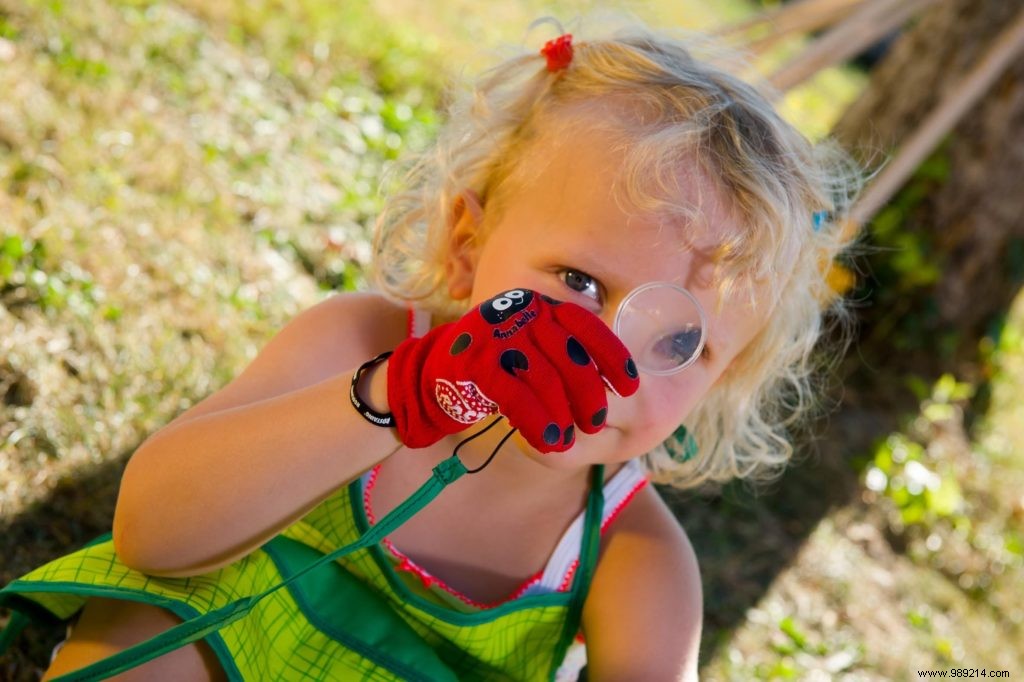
(667, 401)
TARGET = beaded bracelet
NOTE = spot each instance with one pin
(382, 419)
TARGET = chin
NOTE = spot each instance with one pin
(581, 454)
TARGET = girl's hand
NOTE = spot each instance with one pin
(541, 363)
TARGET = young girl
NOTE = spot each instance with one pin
(565, 182)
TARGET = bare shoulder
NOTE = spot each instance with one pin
(645, 605)
(333, 336)
(365, 321)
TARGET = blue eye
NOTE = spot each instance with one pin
(581, 282)
(681, 347)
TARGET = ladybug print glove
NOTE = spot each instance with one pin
(541, 363)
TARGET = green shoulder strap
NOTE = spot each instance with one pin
(195, 629)
(15, 625)
(589, 549)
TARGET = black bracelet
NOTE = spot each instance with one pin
(383, 419)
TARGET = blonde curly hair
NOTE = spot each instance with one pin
(787, 194)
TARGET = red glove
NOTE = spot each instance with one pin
(541, 363)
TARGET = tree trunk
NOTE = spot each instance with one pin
(951, 244)
(942, 260)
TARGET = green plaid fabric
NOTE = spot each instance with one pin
(524, 639)
(274, 641)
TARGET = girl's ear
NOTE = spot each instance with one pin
(463, 230)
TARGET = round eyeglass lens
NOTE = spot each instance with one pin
(663, 326)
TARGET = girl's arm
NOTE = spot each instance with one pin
(642, 618)
(254, 457)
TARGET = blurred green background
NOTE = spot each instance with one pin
(179, 179)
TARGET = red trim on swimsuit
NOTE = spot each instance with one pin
(622, 505)
(407, 564)
(428, 580)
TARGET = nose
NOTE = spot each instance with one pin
(608, 316)
(610, 310)
(609, 313)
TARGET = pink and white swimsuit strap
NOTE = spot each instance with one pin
(418, 322)
(619, 490)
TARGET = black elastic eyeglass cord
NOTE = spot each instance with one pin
(481, 432)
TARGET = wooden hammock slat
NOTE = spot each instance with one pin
(868, 24)
(795, 17)
(957, 100)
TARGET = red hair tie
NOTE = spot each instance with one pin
(558, 52)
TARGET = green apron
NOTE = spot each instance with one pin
(343, 612)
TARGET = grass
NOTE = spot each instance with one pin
(181, 178)
(923, 571)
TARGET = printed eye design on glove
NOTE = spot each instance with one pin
(543, 364)
(504, 306)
